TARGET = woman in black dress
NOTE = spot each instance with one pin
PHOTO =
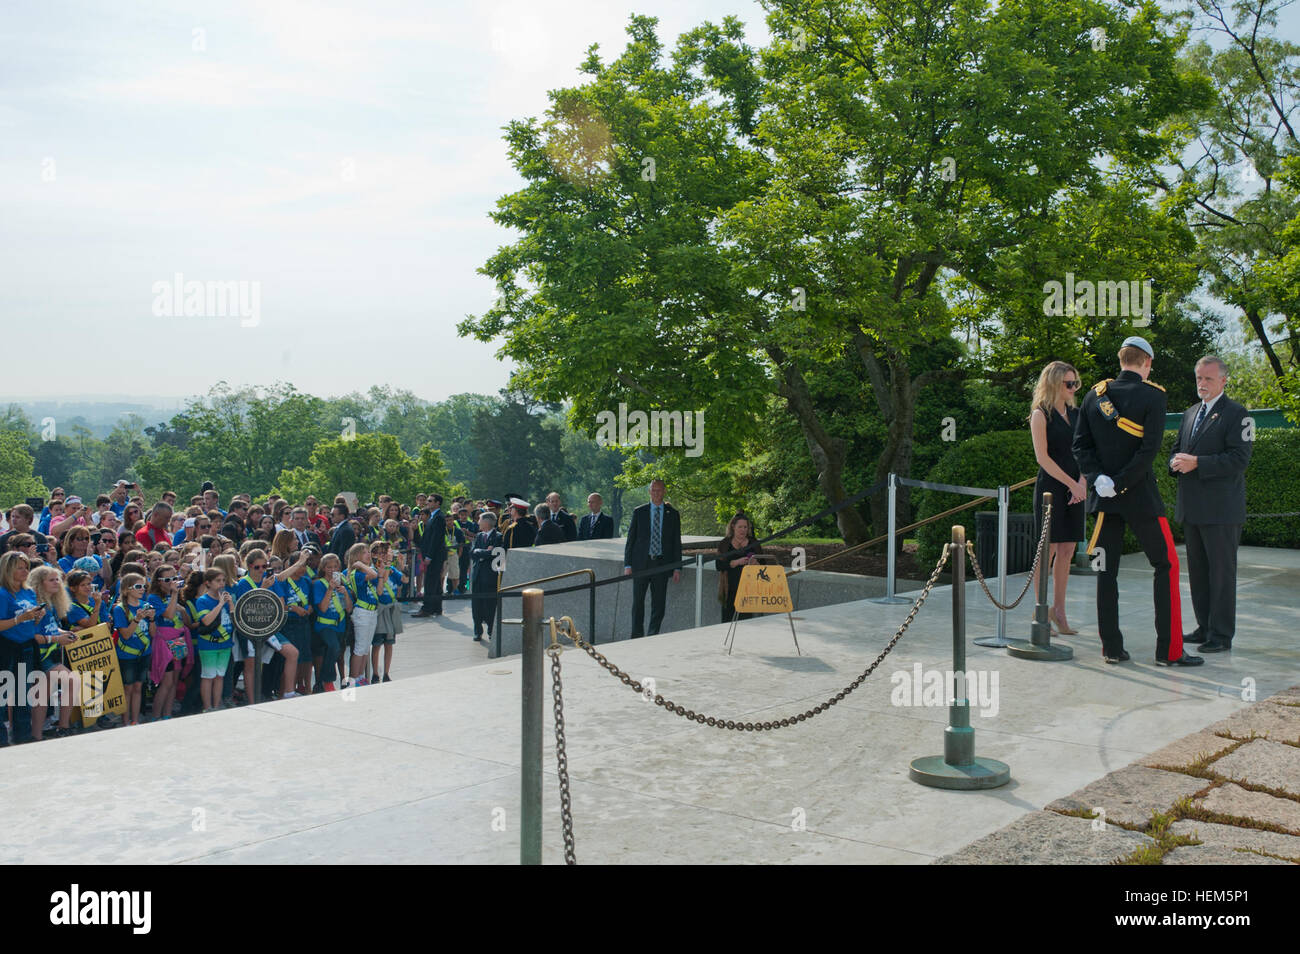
(1051, 423)
(740, 536)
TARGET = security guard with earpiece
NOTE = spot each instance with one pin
(1116, 441)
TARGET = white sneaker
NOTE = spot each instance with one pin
(290, 695)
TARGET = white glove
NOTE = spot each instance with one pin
(1104, 486)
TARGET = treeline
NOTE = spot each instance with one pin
(276, 438)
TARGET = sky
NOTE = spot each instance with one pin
(338, 159)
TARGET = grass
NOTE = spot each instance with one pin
(1162, 842)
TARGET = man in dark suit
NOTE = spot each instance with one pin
(342, 536)
(433, 545)
(1115, 442)
(596, 525)
(1209, 460)
(548, 530)
(654, 538)
(559, 515)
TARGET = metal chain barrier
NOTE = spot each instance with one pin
(1038, 555)
(561, 755)
(566, 626)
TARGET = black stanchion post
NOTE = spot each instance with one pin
(958, 767)
(1039, 644)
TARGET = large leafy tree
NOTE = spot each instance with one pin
(367, 465)
(516, 454)
(809, 206)
(1230, 178)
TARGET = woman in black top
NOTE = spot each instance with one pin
(1051, 423)
(740, 536)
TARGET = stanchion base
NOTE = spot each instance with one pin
(933, 771)
(997, 642)
(1024, 649)
(890, 599)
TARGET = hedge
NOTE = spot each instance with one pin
(1007, 457)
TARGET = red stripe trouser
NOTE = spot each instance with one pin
(1158, 544)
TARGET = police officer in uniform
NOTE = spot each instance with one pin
(1115, 442)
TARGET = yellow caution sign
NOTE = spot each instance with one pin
(763, 589)
(94, 658)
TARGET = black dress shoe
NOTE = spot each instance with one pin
(1184, 660)
(1123, 656)
(419, 614)
(1214, 646)
(1195, 639)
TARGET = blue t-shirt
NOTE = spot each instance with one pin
(391, 585)
(65, 563)
(133, 641)
(11, 604)
(48, 626)
(77, 612)
(335, 617)
(159, 605)
(220, 638)
(363, 588)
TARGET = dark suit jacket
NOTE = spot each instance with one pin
(433, 542)
(341, 539)
(636, 551)
(565, 530)
(1215, 492)
(1103, 447)
(603, 529)
(551, 531)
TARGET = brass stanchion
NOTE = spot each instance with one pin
(958, 767)
(1039, 644)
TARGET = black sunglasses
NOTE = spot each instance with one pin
(1072, 385)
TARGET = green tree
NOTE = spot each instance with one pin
(811, 207)
(368, 465)
(16, 480)
(516, 454)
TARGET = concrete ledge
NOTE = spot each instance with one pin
(809, 589)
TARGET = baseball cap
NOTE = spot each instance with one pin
(1135, 341)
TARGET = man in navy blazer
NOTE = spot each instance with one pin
(654, 538)
(1210, 458)
(596, 525)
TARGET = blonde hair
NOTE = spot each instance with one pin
(228, 565)
(7, 563)
(1049, 386)
(355, 551)
(59, 600)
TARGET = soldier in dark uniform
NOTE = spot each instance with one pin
(486, 580)
(522, 531)
(1115, 442)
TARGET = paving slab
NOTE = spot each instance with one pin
(1046, 838)
(1269, 719)
(1189, 749)
(1262, 762)
(1233, 800)
(1216, 855)
(1130, 795)
(1231, 836)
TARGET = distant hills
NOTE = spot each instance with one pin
(99, 413)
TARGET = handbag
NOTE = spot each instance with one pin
(176, 643)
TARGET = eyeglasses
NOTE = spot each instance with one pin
(136, 586)
(1072, 385)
